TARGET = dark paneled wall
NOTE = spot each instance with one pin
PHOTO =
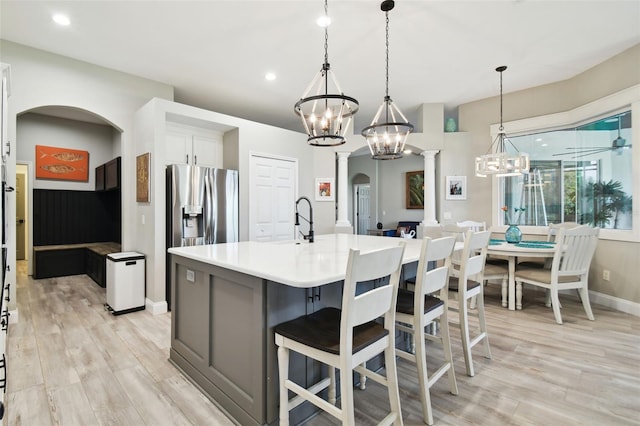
(73, 217)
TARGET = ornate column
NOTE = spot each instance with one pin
(429, 188)
(342, 224)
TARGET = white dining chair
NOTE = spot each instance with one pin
(498, 272)
(555, 227)
(552, 231)
(472, 225)
(415, 310)
(469, 284)
(574, 250)
(346, 338)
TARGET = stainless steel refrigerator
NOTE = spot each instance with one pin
(202, 208)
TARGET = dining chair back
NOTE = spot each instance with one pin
(555, 227)
(472, 225)
(467, 285)
(346, 338)
(574, 250)
(417, 309)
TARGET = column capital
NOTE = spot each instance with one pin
(430, 153)
(343, 154)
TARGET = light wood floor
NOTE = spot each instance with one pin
(72, 363)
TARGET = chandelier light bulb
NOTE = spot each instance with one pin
(324, 21)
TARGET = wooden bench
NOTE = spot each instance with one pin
(73, 259)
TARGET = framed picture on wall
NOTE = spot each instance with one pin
(415, 189)
(62, 163)
(325, 190)
(456, 188)
(142, 177)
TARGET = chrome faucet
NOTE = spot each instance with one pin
(309, 221)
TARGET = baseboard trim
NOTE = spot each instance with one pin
(155, 308)
(601, 299)
(616, 303)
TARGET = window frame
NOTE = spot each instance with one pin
(627, 99)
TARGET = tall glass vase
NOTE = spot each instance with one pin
(513, 234)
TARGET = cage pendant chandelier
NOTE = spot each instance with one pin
(497, 161)
(389, 129)
(325, 110)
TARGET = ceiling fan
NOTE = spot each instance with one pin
(616, 145)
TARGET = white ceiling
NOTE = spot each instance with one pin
(216, 53)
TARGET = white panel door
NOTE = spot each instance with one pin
(364, 213)
(272, 198)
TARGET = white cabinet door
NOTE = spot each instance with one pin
(178, 147)
(207, 151)
(193, 145)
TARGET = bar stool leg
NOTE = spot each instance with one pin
(283, 368)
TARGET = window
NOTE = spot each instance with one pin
(582, 174)
(582, 168)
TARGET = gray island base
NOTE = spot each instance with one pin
(228, 297)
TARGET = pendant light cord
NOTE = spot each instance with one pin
(387, 57)
(501, 126)
(326, 34)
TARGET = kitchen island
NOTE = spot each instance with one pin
(228, 297)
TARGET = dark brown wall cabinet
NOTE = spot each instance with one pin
(100, 178)
(108, 175)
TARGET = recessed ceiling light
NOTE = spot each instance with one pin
(270, 76)
(61, 19)
(323, 21)
(544, 144)
(539, 140)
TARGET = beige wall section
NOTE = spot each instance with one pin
(618, 73)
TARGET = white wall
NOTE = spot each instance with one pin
(41, 78)
(241, 137)
(37, 129)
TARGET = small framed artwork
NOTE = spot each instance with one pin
(325, 191)
(62, 163)
(415, 190)
(142, 177)
(456, 188)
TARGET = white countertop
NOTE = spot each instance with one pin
(292, 262)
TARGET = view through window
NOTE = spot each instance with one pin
(581, 174)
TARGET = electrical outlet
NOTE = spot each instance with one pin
(606, 275)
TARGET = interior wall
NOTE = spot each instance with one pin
(392, 190)
(40, 78)
(36, 129)
(388, 188)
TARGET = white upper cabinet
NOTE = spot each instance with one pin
(193, 145)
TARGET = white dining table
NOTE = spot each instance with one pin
(540, 249)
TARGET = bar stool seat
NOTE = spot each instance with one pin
(321, 330)
(405, 302)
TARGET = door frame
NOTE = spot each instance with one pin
(29, 210)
